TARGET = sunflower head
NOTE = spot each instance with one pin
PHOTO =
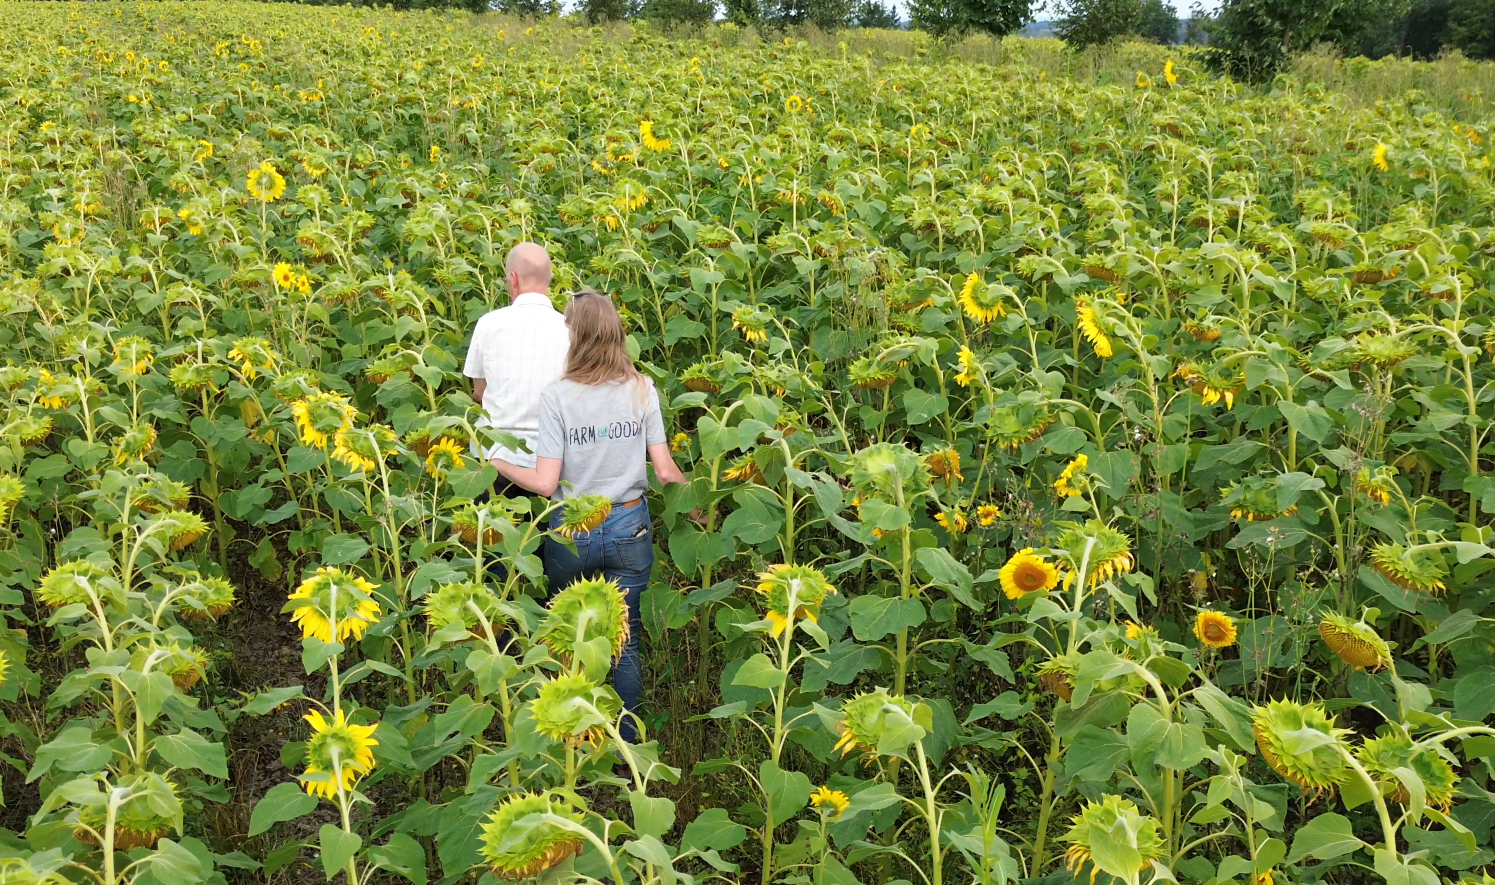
(363, 449)
(869, 372)
(79, 581)
(452, 610)
(987, 515)
(158, 493)
(1299, 742)
(1090, 324)
(1354, 642)
(295, 384)
(11, 492)
(1382, 756)
(185, 665)
(1072, 481)
(1057, 674)
(31, 430)
(983, 302)
(337, 753)
(333, 598)
(587, 621)
(1381, 351)
(944, 465)
(466, 518)
(1214, 629)
(527, 834)
(265, 183)
(830, 803)
(1026, 572)
(1421, 571)
(253, 355)
(582, 514)
(702, 378)
(385, 368)
(573, 708)
(889, 472)
(792, 591)
(444, 456)
(321, 416)
(968, 367)
(133, 355)
(752, 321)
(1011, 426)
(181, 528)
(1110, 554)
(877, 723)
(150, 810)
(1254, 498)
(204, 597)
(743, 469)
(1114, 836)
(138, 440)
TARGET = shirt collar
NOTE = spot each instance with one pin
(533, 299)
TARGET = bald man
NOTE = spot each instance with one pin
(516, 352)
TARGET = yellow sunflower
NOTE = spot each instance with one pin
(1064, 486)
(987, 515)
(265, 183)
(445, 456)
(981, 302)
(1027, 572)
(830, 803)
(953, 522)
(331, 596)
(337, 753)
(1214, 629)
(1089, 326)
(970, 367)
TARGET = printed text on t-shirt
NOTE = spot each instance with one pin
(581, 436)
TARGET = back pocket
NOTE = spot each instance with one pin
(635, 552)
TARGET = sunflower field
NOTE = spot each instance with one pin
(1093, 473)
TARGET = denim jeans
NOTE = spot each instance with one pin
(620, 550)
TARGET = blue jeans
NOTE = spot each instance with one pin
(620, 550)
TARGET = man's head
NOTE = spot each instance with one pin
(527, 270)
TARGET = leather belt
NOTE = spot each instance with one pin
(629, 505)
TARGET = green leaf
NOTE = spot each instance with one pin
(401, 855)
(343, 549)
(713, 830)
(652, 815)
(873, 617)
(268, 700)
(787, 791)
(1094, 754)
(920, 407)
(471, 480)
(338, 848)
(281, 803)
(72, 750)
(188, 749)
(949, 574)
(1327, 836)
(759, 672)
(1310, 420)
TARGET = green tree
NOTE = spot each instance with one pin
(608, 10)
(1091, 22)
(953, 17)
(1426, 28)
(828, 15)
(872, 14)
(1252, 39)
(1372, 28)
(694, 13)
(741, 12)
(1159, 22)
(1471, 27)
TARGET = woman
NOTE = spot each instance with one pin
(599, 426)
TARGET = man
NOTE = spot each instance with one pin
(516, 352)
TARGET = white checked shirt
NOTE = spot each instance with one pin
(518, 350)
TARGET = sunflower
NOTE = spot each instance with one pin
(830, 803)
(589, 609)
(1026, 572)
(253, 356)
(135, 443)
(133, 355)
(149, 811)
(582, 514)
(1169, 76)
(1383, 756)
(944, 464)
(528, 834)
(1254, 498)
(183, 527)
(205, 597)
(185, 666)
(157, 493)
(445, 456)
(981, 302)
(744, 469)
(54, 393)
(191, 377)
(1376, 486)
(868, 372)
(877, 723)
(987, 515)
(1110, 555)
(1064, 486)
(1012, 426)
(648, 140)
(322, 415)
(573, 709)
(1212, 384)
(1214, 629)
(954, 522)
(265, 183)
(283, 275)
(332, 597)
(1111, 820)
(889, 471)
(1088, 323)
(337, 753)
(204, 150)
(1381, 351)
(1378, 158)
(11, 492)
(363, 449)
(794, 104)
(79, 581)
(1311, 761)
(465, 521)
(1354, 642)
(1057, 674)
(32, 429)
(969, 365)
(699, 378)
(1202, 330)
(453, 609)
(1419, 570)
(385, 368)
(434, 154)
(679, 442)
(801, 587)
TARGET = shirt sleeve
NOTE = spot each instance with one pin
(473, 368)
(653, 420)
(552, 436)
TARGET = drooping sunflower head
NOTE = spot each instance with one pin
(702, 378)
(1132, 840)
(954, 522)
(1071, 482)
(870, 372)
(968, 367)
(1214, 629)
(31, 429)
(591, 612)
(181, 528)
(795, 589)
(1203, 329)
(253, 355)
(1110, 551)
(133, 355)
(876, 723)
(363, 449)
(184, 664)
(890, 472)
(79, 581)
(1254, 498)
(1091, 326)
(582, 514)
(527, 834)
(752, 321)
(1057, 675)
(573, 708)
(333, 597)
(11, 492)
(157, 493)
(150, 810)
(204, 597)
(444, 456)
(1027, 572)
(138, 440)
(322, 416)
(1354, 642)
(944, 465)
(1299, 742)
(743, 469)
(1421, 571)
(983, 302)
(1377, 486)
(337, 753)
(1381, 351)
(830, 803)
(385, 368)
(467, 517)
(455, 611)
(1213, 382)
(1011, 426)
(1382, 756)
(295, 384)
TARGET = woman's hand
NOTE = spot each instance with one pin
(540, 479)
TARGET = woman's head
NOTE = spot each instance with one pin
(597, 355)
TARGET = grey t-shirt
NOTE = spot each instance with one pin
(600, 432)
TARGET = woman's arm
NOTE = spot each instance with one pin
(540, 479)
(664, 464)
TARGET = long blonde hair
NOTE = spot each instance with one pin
(597, 355)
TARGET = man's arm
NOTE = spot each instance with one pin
(479, 387)
(540, 479)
